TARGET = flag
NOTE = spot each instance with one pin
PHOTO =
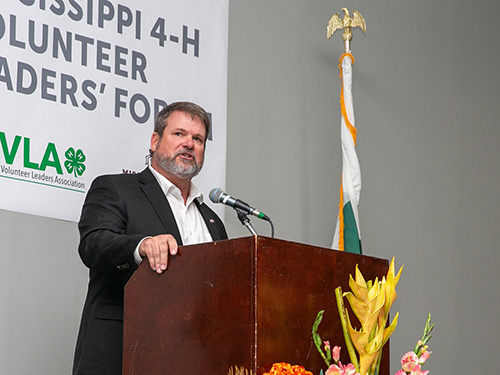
(347, 234)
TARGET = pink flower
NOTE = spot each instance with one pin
(409, 361)
(424, 356)
(400, 372)
(342, 370)
(334, 370)
(417, 370)
(349, 369)
(336, 353)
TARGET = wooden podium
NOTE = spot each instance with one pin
(248, 302)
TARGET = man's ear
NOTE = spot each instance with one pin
(155, 138)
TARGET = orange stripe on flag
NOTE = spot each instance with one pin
(341, 219)
(350, 126)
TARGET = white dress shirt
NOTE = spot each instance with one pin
(191, 225)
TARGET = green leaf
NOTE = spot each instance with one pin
(317, 338)
(427, 334)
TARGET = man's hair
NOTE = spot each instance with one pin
(192, 109)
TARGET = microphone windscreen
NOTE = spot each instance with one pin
(215, 194)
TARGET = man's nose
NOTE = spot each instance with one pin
(188, 142)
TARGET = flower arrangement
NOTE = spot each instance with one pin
(370, 301)
(411, 362)
(283, 368)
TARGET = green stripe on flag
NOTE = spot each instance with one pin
(352, 243)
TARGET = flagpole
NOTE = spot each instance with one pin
(347, 232)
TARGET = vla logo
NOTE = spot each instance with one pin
(74, 162)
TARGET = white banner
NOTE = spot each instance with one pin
(81, 82)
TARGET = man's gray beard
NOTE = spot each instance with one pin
(177, 169)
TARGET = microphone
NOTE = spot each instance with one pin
(218, 196)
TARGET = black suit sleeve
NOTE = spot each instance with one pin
(104, 244)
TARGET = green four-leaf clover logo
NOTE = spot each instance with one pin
(74, 163)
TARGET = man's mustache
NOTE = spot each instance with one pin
(187, 151)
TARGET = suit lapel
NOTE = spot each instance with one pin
(210, 220)
(155, 195)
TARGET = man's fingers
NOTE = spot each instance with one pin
(157, 249)
(172, 245)
(146, 250)
(168, 245)
(157, 253)
(161, 265)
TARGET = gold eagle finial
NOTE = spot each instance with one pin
(347, 23)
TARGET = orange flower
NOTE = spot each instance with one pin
(287, 369)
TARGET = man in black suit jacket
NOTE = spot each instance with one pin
(126, 218)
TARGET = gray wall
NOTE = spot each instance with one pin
(426, 95)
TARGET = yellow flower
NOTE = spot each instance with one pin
(371, 302)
